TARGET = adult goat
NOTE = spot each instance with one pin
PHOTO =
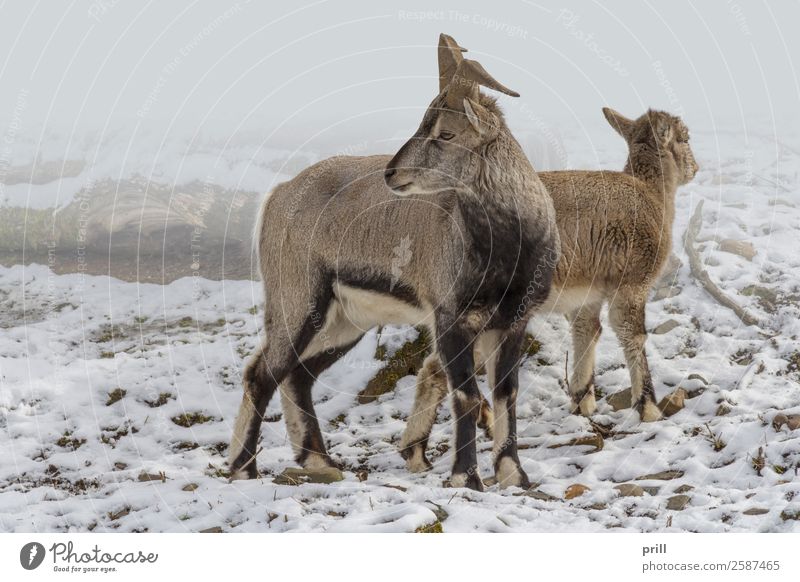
(461, 197)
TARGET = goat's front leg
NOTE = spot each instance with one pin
(455, 349)
(507, 467)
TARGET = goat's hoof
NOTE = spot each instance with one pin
(470, 480)
(509, 473)
(649, 412)
(416, 461)
(586, 406)
(249, 472)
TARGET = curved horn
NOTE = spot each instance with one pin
(449, 59)
(468, 76)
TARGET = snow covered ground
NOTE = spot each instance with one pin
(117, 399)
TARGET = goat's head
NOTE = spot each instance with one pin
(660, 131)
(457, 125)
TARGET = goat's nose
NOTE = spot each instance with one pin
(388, 173)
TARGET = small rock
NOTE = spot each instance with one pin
(767, 298)
(215, 529)
(722, 410)
(189, 487)
(685, 488)
(593, 440)
(662, 475)
(790, 420)
(790, 514)
(697, 377)
(598, 506)
(152, 477)
(115, 515)
(540, 495)
(575, 490)
(120, 466)
(629, 490)
(678, 502)
(620, 400)
(665, 327)
(738, 247)
(755, 511)
(651, 489)
(297, 476)
(673, 403)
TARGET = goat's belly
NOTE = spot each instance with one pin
(566, 300)
(365, 308)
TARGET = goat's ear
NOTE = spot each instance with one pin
(621, 124)
(477, 115)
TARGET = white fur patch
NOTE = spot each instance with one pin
(567, 300)
(588, 404)
(431, 390)
(500, 428)
(508, 473)
(239, 476)
(459, 480)
(651, 412)
(246, 412)
(366, 309)
(293, 416)
(417, 463)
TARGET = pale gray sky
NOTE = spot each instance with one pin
(293, 69)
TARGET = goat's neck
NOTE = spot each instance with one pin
(501, 202)
(657, 169)
(504, 177)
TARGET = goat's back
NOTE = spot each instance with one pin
(614, 229)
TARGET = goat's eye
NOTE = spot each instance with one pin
(446, 135)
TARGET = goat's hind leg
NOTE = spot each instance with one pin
(586, 329)
(626, 314)
(265, 370)
(302, 423)
(334, 339)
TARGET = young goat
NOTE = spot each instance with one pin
(616, 234)
(483, 244)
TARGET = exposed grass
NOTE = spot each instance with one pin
(67, 442)
(407, 360)
(115, 396)
(531, 346)
(435, 527)
(161, 400)
(188, 419)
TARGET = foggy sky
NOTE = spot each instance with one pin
(296, 71)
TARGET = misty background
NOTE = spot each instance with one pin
(155, 128)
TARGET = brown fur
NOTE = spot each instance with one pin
(615, 232)
(327, 247)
